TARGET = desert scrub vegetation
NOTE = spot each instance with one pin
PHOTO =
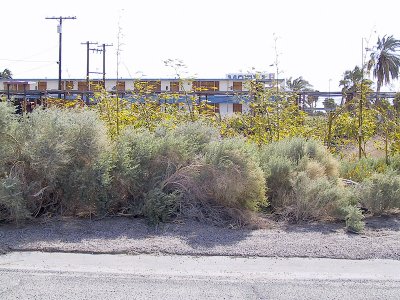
(378, 182)
(224, 185)
(143, 159)
(59, 161)
(302, 180)
(359, 170)
(380, 193)
(62, 163)
(12, 204)
(197, 175)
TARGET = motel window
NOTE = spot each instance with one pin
(42, 85)
(154, 86)
(67, 85)
(82, 86)
(22, 86)
(147, 86)
(120, 86)
(174, 86)
(201, 86)
(237, 86)
(12, 87)
(237, 107)
(96, 85)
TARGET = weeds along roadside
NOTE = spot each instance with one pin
(173, 165)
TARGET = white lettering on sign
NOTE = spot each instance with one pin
(250, 76)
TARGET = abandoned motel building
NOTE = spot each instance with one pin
(227, 96)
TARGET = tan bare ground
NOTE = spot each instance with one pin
(380, 239)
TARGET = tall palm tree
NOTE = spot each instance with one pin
(351, 82)
(298, 85)
(312, 99)
(385, 62)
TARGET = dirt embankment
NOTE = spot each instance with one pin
(381, 239)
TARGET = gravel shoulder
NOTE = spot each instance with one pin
(381, 239)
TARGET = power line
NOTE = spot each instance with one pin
(36, 68)
(24, 60)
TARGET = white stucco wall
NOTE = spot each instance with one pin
(224, 85)
(225, 109)
(165, 85)
(51, 84)
(110, 84)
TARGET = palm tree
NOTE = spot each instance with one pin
(329, 104)
(351, 83)
(298, 85)
(385, 61)
(312, 99)
(6, 74)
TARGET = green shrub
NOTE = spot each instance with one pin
(381, 192)
(64, 161)
(283, 161)
(302, 177)
(394, 163)
(12, 203)
(9, 146)
(144, 159)
(236, 178)
(159, 206)
(354, 219)
(299, 152)
(223, 186)
(13, 206)
(217, 180)
(8, 118)
(293, 149)
(197, 134)
(358, 170)
(278, 172)
(311, 199)
(317, 152)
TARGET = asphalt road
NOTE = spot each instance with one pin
(36, 275)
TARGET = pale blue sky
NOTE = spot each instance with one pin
(318, 40)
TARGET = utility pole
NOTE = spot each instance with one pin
(87, 61)
(104, 61)
(59, 30)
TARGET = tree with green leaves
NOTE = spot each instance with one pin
(312, 99)
(385, 62)
(329, 104)
(298, 85)
(6, 74)
(350, 84)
